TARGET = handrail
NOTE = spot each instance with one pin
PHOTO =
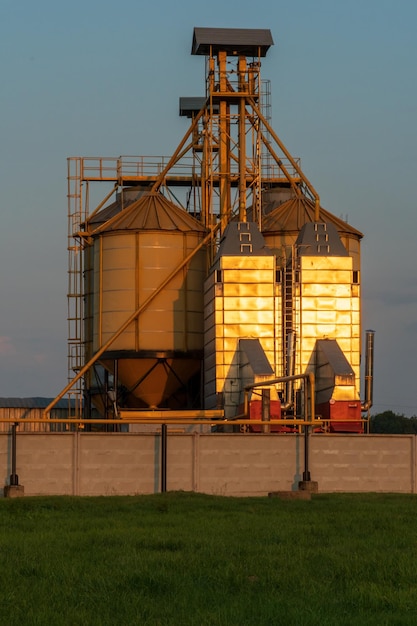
(175, 420)
(139, 167)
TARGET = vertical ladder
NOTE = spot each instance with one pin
(74, 295)
(289, 305)
(265, 105)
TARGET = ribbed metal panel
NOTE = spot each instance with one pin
(33, 408)
(123, 199)
(152, 211)
(128, 267)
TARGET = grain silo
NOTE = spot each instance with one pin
(214, 268)
(157, 358)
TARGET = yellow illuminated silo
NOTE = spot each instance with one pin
(320, 269)
(241, 302)
(134, 252)
(326, 299)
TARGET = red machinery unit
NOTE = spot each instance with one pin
(255, 414)
(344, 416)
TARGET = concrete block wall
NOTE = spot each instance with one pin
(357, 463)
(93, 464)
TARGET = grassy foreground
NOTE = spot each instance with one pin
(190, 559)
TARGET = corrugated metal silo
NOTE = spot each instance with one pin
(132, 254)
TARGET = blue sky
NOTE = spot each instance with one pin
(102, 78)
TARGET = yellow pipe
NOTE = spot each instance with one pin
(312, 381)
(184, 420)
(281, 379)
(100, 293)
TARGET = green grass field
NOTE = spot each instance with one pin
(180, 558)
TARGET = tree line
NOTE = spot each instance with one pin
(392, 423)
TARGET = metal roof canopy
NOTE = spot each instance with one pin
(34, 403)
(251, 42)
(191, 105)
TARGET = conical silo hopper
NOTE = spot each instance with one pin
(132, 255)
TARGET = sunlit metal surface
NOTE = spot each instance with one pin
(222, 243)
